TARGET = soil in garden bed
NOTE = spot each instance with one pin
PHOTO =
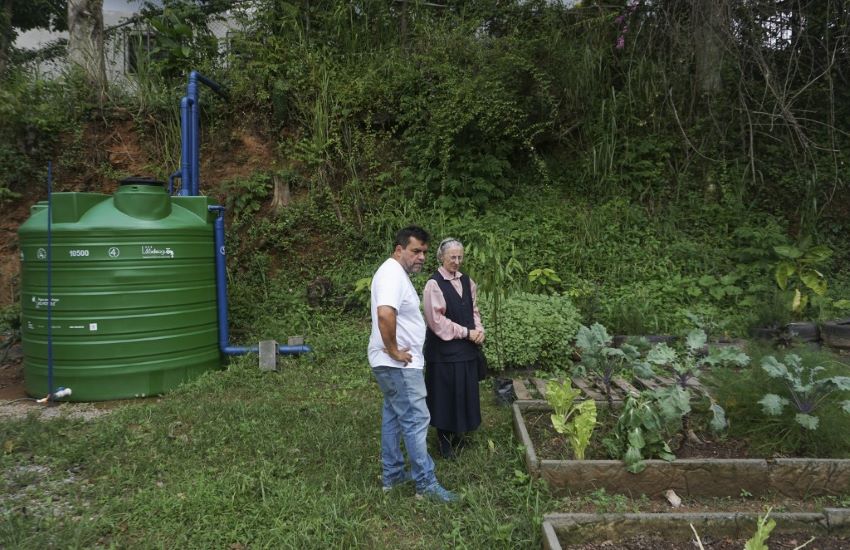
(550, 445)
(775, 542)
(603, 502)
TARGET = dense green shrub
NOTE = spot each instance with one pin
(33, 114)
(532, 330)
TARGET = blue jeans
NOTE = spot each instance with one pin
(405, 416)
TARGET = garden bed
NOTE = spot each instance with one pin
(718, 531)
(696, 477)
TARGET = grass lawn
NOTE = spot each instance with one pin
(244, 459)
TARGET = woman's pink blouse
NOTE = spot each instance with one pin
(434, 305)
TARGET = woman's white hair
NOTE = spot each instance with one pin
(445, 244)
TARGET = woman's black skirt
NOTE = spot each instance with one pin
(453, 395)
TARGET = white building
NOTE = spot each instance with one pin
(125, 34)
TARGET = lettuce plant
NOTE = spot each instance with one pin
(805, 387)
(574, 419)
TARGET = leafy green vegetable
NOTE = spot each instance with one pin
(805, 390)
(641, 432)
(763, 530)
(599, 357)
(574, 419)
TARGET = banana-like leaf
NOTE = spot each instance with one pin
(813, 279)
(798, 303)
(783, 271)
(818, 254)
(788, 251)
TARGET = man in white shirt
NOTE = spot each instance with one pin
(395, 355)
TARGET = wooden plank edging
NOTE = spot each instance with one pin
(520, 390)
(794, 478)
(531, 461)
(581, 527)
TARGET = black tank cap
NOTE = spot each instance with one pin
(137, 180)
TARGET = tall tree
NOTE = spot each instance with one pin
(85, 42)
(22, 15)
(710, 27)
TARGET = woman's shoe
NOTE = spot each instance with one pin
(444, 440)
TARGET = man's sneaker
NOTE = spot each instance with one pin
(437, 493)
(401, 480)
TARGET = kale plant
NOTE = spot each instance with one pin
(684, 366)
(806, 389)
(601, 358)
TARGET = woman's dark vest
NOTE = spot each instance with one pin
(458, 310)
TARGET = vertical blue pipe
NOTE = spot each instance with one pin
(195, 128)
(221, 289)
(221, 297)
(49, 280)
(185, 146)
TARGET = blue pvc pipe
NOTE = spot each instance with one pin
(190, 160)
(190, 133)
(221, 298)
(221, 286)
(171, 178)
(294, 350)
(49, 281)
(185, 146)
(195, 131)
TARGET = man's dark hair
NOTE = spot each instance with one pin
(402, 238)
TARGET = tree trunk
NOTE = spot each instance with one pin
(282, 193)
(85, 43)
(709, 24)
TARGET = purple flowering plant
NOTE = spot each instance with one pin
(622, 22)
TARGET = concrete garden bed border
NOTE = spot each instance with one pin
(797, 478)
(585, 528)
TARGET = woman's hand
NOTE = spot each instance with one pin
(477, 336)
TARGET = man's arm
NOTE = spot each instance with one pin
(387, 325)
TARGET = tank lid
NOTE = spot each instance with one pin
(141, 181)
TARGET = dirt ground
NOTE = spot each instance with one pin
(12, 374)
(117, 148)
(15, 403)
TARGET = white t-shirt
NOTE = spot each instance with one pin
(391, 286)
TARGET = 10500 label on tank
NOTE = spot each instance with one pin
(113, 252)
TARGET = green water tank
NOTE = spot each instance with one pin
(132, 290)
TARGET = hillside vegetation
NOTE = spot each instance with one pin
(650, 165)
(641, 160)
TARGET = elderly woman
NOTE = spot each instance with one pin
(452, 342)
